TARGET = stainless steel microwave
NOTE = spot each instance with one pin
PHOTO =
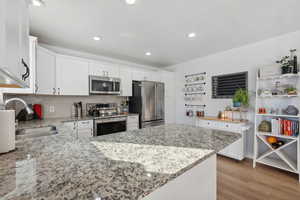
(105, 85)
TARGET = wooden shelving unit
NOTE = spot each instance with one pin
(285, 157)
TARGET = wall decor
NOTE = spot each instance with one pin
(194, 89)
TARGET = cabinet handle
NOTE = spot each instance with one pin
(27, 73)
(36, 88)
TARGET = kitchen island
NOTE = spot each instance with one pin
(162, 162)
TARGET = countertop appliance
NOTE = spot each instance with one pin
(7, 124)
(104, 85)
(148, 100)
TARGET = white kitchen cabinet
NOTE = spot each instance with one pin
(155, 76)
(132, 122)
(236, 150)
(138, 75)
(126, 82)
(14, 38)
(81, 129)
(72, 76)
(32, 75)
(142, 75)
(45, 72)
(103, 69)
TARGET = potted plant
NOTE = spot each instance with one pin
(241, 98)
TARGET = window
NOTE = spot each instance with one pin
(224, 86)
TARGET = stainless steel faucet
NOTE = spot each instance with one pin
(28, 109)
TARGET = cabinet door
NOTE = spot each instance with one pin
(103, 69)
(24, 37)
(138, 75)
(126, 82)
(12, 37)
(72, 76)
(2, 33)
(45, 72)
(155, 76)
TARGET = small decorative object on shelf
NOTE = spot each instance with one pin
(265, 126)
(289, 64)
(290, 90)
(241, 98)
(262, 110)
(291, 110)
(277, 144)
(272, 139)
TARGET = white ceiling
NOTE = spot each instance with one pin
(161, 26)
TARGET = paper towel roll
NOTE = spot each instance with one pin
(7, 130)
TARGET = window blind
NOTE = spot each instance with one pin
(224, 86)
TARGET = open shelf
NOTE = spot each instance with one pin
(278, 96)
(280, 76)
(274, 115)
(277, 163)
(278, 136)
(278, 151)
(285, 157)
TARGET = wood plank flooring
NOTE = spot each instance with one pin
(239, 181)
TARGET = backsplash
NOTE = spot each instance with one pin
(60, 106)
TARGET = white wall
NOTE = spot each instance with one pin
(246, 58)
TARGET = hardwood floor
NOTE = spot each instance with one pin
(239, 181)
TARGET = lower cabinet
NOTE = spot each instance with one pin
(237, 150)
(132, 122)
(83, 128)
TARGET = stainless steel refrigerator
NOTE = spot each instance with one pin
(148, 100)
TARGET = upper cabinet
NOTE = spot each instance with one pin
(126, 81)
(98, 68)
(61, 75)
(14, 39)
(45, 72)
(72, 76)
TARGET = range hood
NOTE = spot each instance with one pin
(8, 80)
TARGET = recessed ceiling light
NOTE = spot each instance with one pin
(130, 2)
(148, 53)
(192, 35)
(37, 3)
(97, 38)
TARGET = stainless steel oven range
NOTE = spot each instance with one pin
(109, 125)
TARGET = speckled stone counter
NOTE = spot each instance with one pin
(122, 166)
(57, 121)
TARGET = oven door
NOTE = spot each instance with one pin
(108, 127)
(104, 85)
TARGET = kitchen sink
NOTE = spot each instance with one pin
(36, 132)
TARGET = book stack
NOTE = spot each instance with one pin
(285, 127)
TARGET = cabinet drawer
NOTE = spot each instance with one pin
(231, 127)
(132, 119)
(85, 133)
(88, 124)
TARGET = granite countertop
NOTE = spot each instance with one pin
(122, 166)
(58, 121)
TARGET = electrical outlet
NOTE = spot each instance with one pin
(52, 109)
